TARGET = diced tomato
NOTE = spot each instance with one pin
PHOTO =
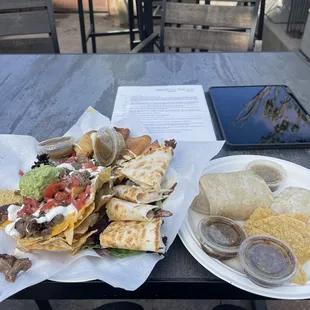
(80, 202)
(62, 196)
(20, 172)
(74, 182)
(49, 205)
(89, 164)
(52, 189)
(32, 202)
(71, 160)
(88, 189)
(30, 206)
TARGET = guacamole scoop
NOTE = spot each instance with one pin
(33, 183)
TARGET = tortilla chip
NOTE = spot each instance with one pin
(135, 146)
(4, 224)
(76, 246)
(294, 232)
(103, 195)
(59, 228)
(100, 179)
(8, 197)
(53, 244)
(88, 211)
(301, 277)
(88, 208)
(155, 145)
(76, 190)
(84, 226)
(300, 217)
(69, 232)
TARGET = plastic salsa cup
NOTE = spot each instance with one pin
(267, 261)
(57, 147)
(109, 145)
(220, 237)
(273, 173)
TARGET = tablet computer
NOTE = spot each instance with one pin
(259, 117)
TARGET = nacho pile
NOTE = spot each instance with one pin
(290, 228)
(65, 203)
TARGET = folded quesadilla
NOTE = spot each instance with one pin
(138, 194)
(235, 195)
(148, 170)
(122, 210)
(133, 235)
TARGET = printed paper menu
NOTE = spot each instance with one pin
(178, 112)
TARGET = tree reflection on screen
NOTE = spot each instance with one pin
(275, 110)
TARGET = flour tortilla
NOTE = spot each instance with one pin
(138, 194)
(235, 195)
(133, 235)
(148, 170)
(292, 200)
(122, 210)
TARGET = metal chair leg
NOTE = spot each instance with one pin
(92, 25)
(82, 26)
(259, 305)
(43, 305)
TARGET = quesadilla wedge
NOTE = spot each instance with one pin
(122, 210)
(148, 170)
(139, 195)
(133, 235)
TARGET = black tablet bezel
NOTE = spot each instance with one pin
(220, 133)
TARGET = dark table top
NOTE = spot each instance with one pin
(43, 96)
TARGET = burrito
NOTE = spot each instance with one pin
(139, 195)
(148, 170)
(133, 235)
(234, 195)
(122, 210)
(292, 200)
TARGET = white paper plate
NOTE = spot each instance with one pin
(231, 271)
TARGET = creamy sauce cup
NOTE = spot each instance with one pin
(57, 147)
(272, 173)
(108, 145)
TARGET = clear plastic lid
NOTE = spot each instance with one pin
(273, 173)
(220, 237)
(268, 261)
(57, 147)
(109, 145)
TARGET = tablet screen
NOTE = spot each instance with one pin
(260, 115)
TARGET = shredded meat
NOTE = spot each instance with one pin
(82, 159)
(10, 266)
(162, 213)
(3, 213)
(165, 239)
(28, 227)
(83, 177)
(172, 143)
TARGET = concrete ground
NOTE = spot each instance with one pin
(68, 31)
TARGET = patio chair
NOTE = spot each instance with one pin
(193, 27)
(27, 26)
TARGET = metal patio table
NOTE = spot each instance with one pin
(43, 96)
